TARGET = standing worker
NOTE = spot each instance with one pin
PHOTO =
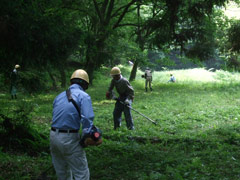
(72, 108)
(14, 81)
(148, 79)
(126, 95)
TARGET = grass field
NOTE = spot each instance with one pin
(197, 135)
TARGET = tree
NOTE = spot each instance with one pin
(36, 35)
(48, 32)
(227, 36)
(234, 47)
(175, 23)
(234, 36)
(100, 19)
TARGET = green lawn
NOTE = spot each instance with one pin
(197, 134)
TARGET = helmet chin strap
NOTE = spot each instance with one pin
(85, 86)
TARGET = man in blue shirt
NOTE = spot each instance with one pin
(68, 157)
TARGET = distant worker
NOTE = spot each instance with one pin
(172, 78)
(14, 81)
(71, 109)
(124, 101)
(148, 79)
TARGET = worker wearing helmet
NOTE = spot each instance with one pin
(148, 79)
(126, 95)
(14, 80)
(68, 156)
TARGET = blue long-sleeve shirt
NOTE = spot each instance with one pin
(66, 116)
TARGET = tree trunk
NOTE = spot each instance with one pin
(90, 65)
(54, 85)
(140, 43)
(134, 71)
(233, 62)
(90, 70)
(95, 57)
(63, 77)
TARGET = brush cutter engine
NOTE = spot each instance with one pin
(94, 138)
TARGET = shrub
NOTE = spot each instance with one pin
(32, 81)
(18, 134)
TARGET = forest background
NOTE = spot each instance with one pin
(53, 37)
(50, 39)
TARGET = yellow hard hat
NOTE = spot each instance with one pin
(81, 74)
(115, 71)
(17, 66)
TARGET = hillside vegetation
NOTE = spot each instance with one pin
(197, 135)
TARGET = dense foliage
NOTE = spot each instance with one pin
(50, 35)
(234, 34)
(17, 132)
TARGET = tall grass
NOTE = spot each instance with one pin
(196, 136)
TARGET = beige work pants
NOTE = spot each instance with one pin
(148, 82)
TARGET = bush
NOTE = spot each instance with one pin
(17, 133)
(32, 81)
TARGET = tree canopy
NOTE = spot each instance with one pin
(49, 34)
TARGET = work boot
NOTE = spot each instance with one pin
(116, 126)
(151, 89)
(131, 128)
(146, 89)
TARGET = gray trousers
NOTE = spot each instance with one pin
(117, 115)
(68, 157)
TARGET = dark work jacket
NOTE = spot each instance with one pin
(123, 87)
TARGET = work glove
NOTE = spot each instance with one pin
(108, 95)
(115, 98)
(126, 102)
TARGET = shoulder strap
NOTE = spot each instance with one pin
(70, 99)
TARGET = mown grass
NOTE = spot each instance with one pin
(197, 134)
